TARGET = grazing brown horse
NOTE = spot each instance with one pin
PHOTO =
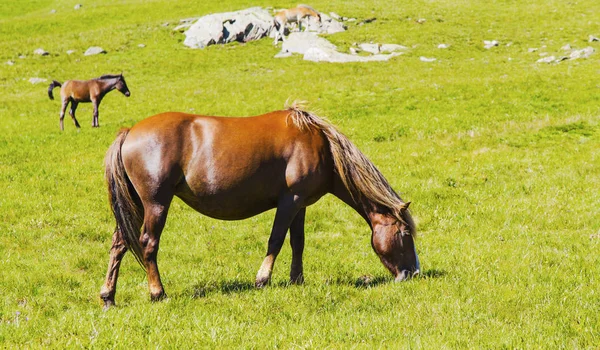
(234, 168)
(93, 90)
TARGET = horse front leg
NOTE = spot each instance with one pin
(74, 105)
(297, 243)
(286, 211)
(95, 123)
(117, 251)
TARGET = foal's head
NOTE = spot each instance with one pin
(121, 85)
(393, 241)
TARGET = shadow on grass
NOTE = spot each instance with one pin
(225, 287)
(201, 290)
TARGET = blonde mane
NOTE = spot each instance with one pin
(359, 175)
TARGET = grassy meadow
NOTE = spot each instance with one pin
(499, 155)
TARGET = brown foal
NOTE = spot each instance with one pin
(93, 90)
(234, 168)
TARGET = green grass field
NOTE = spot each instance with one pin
(499, 155)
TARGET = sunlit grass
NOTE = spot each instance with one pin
(498, 155)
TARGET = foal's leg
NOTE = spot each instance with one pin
(297, 243)
(286, 211)
(74, 105)
(117, 251)
(65, 103)
(95, 123)
(155, 216)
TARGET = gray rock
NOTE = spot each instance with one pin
(70, 52)
(53, 11)
(427, 59)
(351, 20)
(328, 25)
(488, 44)
(316, 54)
(548, 59)
(220, 28)
(371, 48)
(532, 49)
(41, 52)
(78, 6)
(593, 38)
(22, 56)
(583, 53)
(37, 80)
(94, 50)
(141, 45)
(379, 48)
(302, 42)
(561, 58)
(353, 51)
(10, 63)
(392, 47)
(182, 27)
(443, 46)
(335, 16)
(566, 47)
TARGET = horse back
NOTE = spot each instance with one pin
(225, 167)
(79, 90)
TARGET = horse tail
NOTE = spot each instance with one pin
(53, 84)
(358, 174)
(124, 200)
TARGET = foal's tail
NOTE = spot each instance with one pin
(53, 84)
(124, 200)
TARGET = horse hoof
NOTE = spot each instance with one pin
(158, 296)
(261, 283)
(299, 280)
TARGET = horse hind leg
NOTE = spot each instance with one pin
(65, 103)
(297, 243)
(155, 215)
(286, 211)
(117, 251)
(74, 105)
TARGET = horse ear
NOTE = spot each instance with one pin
(404, 207)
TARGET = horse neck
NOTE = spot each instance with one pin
(371, 212)
(108, 84)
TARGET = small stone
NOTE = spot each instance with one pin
(561, 58)
(70, 52)
(10, 63)
(94, 50)
(443, 46)
(532, 49)
(421, 20)
(427, 59)
(566, 47)
(488, 44)
(548, 59)
(22, 56)
(141, 45)
(166, 24)
(351, 20)
(78, 6)
(583, 53)
(593, 38)
(41, 52)
(52, 11)
(353, 51)
(37, 80)
(335, 16)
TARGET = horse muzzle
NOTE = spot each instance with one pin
(127, 93)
